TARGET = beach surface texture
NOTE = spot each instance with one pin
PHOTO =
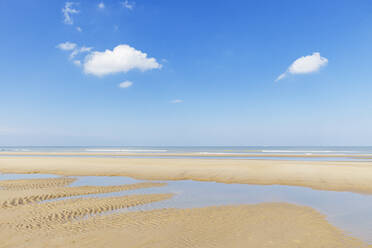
(349, 176)
(27, 220)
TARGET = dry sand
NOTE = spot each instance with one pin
(337, 176)
(75, 223)
(36, 183)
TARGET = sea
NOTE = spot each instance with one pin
(326, 153)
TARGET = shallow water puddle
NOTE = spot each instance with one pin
(349, 211)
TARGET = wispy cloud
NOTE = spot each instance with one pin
(68, 11)
(304, 65)
(128, 5)
(176, 101)
(77, 62)
(79, 29)
(85, 49)
(69, 46)
(122, 58)
(66, 46)
(7, 130)
(125, 84)
(82, 49)
(101, 5)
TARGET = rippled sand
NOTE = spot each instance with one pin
(28, 221)
(12, 198)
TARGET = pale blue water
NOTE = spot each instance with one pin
(349, 211)
(223, 152)
(199, 149)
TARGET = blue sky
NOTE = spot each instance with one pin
(194, 72)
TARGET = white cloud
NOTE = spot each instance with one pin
(125, 84)
(85, 49)
(177, 101)
(66, 46)
(79, 29)
(77, 62)
(69, 46)
(305, 64)
(68, 11)
(82, 49)
(281, 76)
(128, 5)
(101, 5)
(122, 58)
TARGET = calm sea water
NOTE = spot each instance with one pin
(220, 152)
(347, 150)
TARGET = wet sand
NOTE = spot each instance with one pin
(79, 223)
(323, 175)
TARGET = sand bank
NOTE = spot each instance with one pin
(337, 176)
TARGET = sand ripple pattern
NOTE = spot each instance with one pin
(262, 225)
(25, 218)
(47, 215)
(27, 222)
(270, 225)
(26, 184)
(12, 199)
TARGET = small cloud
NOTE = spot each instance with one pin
(128, 5)
(82, 49)
(85, 49)
(68, 11)
(67, 46)
(281, 76)
(101, 5)
(305, 65)
(74, 53)
(79, 29)
(77, 62)
(176, 101)
(122, 58)
(125, 84)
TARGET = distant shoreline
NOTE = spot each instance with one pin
(165, 154)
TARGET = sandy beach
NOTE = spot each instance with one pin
(323, 175)
(79, 223)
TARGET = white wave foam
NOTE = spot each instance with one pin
(220, 153)
(13, 150)
(123, 150)
(294, 151)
